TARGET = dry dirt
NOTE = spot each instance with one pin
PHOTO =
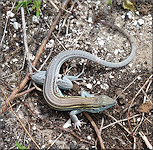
(77, 30)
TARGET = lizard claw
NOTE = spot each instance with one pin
(78, 124)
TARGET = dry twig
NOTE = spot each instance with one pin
(96, 129)
(20, 120)
(145, 140)
(39, 52)
(128, 114)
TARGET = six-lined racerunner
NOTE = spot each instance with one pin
(51, 83)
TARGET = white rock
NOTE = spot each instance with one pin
(129, 14)
(140, 22)
(135, 22)
(34, 127)
(130, 65)
(31, 56)
(123, 16)
(13, 19)
(94, 81)
(10, 14)
(111, 76)
(133, 71)
(98, 82)
(67, 124)
(101, 42)
(118, 25)
(137, 12)
(89, 86)
(35, 19)
(16, 25)
(104, 86)
(15, 60)
(139, 78)
(138, 119)
(50, 44)
(14, 35)
(116, 51)
(17, 44)
(6, 48)
(89, 137)
(43, 146)
(90, 19)
(150, 23)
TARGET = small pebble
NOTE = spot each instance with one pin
(135, 22)
(13, 19)
(137, 12)
(35, 19)
(15, 60)
(138, 119)
(130, 65)
(140, 22)
(90, 19)
(123, 16)
(14, 35)
(116, 51)
(94, 81)
(16, 25)
(104, 86)
(89, 86)
(139, 78)
(89, 137)
(10, 14)
(129, 14)
(111, 77)
(98, 82)
(43, 146)
(101, 42)
(34, 128)
(50, 44)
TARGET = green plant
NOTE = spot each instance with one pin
(126, 4)
(20, 146)
(25, 3)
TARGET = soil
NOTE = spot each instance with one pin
(77, 30)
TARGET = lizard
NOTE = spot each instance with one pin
(77, 104)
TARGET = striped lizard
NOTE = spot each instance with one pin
(51, 83)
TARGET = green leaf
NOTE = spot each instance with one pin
(19, 4)
(25, 3)
(128, 5)
(109, 2)
(20, 146)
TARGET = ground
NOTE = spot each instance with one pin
(78, 30)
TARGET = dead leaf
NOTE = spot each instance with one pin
(121, 96)
(128, 5)
(146, 107)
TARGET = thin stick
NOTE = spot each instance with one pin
(39, 52)
(142, 118)
(119, 123)
(6, 27)
(96, 129)
(56, 139)
(54, 5)
(27, 53)
(25, 92)
(20, 120)
(128, 114)
(145, 140)
(134, 142)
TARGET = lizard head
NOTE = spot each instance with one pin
(104, 101)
